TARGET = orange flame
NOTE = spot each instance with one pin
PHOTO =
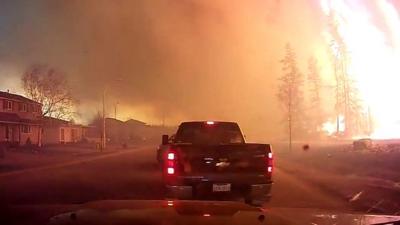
(374, 63)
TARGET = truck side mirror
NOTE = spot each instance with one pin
(165, 139)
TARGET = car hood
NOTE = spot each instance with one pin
(164, 212)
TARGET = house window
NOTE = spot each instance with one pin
(8, 105)
(24, 107)
(73, 135)
(62, 135)
(26, 129)
(7, 132)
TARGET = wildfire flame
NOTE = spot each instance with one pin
(375, 58)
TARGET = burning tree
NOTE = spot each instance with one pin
(290, 93)
(348, 103)
(50, 88)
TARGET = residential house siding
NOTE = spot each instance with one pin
(56, 131)
(20, 120)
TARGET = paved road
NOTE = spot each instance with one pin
(131, 175)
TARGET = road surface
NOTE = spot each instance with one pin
(131, 174)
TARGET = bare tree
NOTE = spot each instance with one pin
(315, 86)
(50, 88)
(290, 93)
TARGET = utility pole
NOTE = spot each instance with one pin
(115, 110)
(290, 134)
(103, 144)
(104, 138)
(163, 119)
(290, 119)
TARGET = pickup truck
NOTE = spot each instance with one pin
(210, 159)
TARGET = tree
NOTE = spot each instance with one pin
(290, 93)
(50, 88)
(315, 85)
(348, 102)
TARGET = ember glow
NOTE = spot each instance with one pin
(373, 49)
(330, 126)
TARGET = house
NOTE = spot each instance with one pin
(136, 130)
(57, 131)
(115, 130)
(20, 120)
(127, 132)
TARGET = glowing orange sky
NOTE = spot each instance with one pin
(184, 60)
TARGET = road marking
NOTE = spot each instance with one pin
(315, 194)
(70, 163)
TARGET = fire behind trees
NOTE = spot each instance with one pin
(305, 116)
(50, 88)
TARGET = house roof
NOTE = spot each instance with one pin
(135, 122)
(54, 121)
(115, 123)
(51, 121)
(16, 97)
(14, 118)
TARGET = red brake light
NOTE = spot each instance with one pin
(171, 156)
(210, 122)
(270, 162)
(170, 170)
(170, 166)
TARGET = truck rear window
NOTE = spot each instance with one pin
(209, 134)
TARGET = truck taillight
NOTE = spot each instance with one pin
(171, 156)
(270, 162)
(171, 162)
(171, 170)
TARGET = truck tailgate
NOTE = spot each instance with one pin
(223, 159)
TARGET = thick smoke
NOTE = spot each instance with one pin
(178, 60)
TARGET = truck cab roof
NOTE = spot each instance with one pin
(210, 122)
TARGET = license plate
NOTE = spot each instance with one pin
(221, 187)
